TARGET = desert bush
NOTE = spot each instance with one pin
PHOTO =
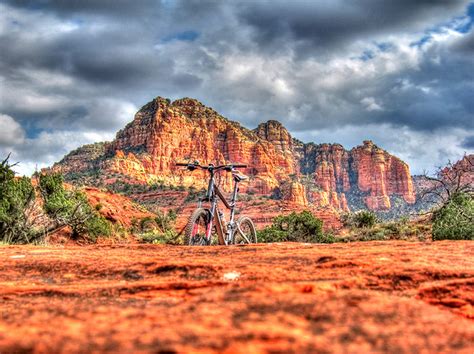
(71, 208)
(374, 234)
(158, 230)
(147, 224)
(272, 234)
(17, 207)
(24, 220)
(455, 219)
(346, 219)
(401, 229)
(296, 227)
(451, 193)
(169, 237)
(96, 226)
(166, 221)
(363, 218)
(192, 195)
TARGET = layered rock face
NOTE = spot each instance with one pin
(367, 170)
(163, 133)
(381, 175)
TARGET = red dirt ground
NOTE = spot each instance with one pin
(359, 297)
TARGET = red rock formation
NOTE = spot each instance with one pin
(366, 168)
(81, 159)
(332, 175)
(343, 202)
(163, 133)
(380, 175)
(295, 192)
(116, 208)
(332, 168)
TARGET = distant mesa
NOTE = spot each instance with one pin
(311, 175)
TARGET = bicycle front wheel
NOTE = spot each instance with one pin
(195, 231)
(246, 232)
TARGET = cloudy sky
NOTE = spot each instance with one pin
(399, 72)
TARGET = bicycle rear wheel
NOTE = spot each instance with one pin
(246, 232)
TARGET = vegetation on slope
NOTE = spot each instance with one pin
(30, 211)
(71, 208)
(295, 227)
(455, 219)
(401, 229)
(158, 230)
(17, 207)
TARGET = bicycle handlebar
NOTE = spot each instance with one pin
(228, 167)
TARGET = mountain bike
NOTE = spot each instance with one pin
(200, 226)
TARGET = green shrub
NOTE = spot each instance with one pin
(295, 227)
(364, 218)
(394, 228)
(158, 230)
(57, 201)
(401, 229)
(165, 221)
(22, 219)
(17, 206)
(376, 234)
(97, 226)
(455, 219)
(71, 207)
(147, 224)
(271, 234)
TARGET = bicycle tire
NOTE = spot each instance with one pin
(245, 227)
(192, 237)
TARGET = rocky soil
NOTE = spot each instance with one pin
(359, 297)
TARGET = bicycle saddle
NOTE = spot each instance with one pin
(239, 177)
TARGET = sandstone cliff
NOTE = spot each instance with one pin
(381, 175)
(165, 132)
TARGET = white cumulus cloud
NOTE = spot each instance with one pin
(11, 132)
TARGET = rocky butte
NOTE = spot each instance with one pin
(324, 176)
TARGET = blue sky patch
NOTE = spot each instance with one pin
(367, 55)
(186, 36)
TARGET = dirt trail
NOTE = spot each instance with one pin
(359, 297)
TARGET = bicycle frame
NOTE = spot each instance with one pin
(214, 194)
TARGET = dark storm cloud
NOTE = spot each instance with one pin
(106, 54)
(79, 69)
(325, 25)
(89, 7)
(437, 93)
(465, 45)
(100, 59)
(468, 143)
